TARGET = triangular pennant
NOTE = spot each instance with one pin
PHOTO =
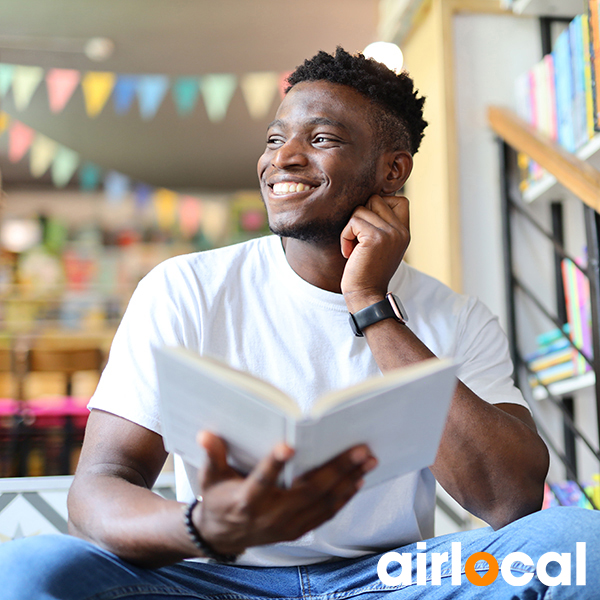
(165, 204)
(190, 211)
(64, 166)
(116, 186)
(19, 139)
(89, 177)
(258, 90)
(151, 91)
(283, 82)
(6, 78)
(25, 82)
(61, 84)
(124, 93)
(185, 94)
(217, 91)
(97, 86)
(42, 153)
(142, 194)
(4, 121)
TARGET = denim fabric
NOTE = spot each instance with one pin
(67, 568)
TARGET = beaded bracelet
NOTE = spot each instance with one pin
(199, 541)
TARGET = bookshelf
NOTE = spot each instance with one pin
(576, 175)
(555, 8)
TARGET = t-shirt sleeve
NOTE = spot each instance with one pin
(128, 385)
(484, 358)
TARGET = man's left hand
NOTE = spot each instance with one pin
(374, 242)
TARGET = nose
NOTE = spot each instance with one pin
(291, 153)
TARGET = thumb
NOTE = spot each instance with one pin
(216, 467)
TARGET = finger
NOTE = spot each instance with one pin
(350, 465)
(216, 467)
(393, 210)
(266, 473)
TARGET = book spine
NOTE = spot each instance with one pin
(291, 439)
(585, 311)
(551, 98)
(587, 77)
(594, 18)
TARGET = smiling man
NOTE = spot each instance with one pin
(315, 307)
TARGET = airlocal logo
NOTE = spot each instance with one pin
(439, 559)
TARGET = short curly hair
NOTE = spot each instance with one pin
(398, 121)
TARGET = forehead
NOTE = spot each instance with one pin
(312, 100)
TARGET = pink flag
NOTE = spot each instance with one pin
(61, 84)
(19, 139)
(190, 211)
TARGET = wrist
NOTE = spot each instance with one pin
(358, 300)
(208, 551)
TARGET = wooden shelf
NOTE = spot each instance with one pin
(548, 8)
(575, 174)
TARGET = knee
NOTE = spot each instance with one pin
(29, 565)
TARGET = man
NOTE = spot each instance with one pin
(337, 153)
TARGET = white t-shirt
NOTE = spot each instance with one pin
(245, 305)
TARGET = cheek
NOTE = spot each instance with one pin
(263, 163)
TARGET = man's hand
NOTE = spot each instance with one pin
(374, 242)
(239, 512)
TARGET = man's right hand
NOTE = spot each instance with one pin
(239, 512)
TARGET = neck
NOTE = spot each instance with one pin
(319, 265)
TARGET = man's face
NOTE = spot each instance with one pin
(319, 163)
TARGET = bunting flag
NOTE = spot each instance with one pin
(4, 121)
(97, 87)
(116, 186)
(89, 177)
(151, 90)
(61, 84)
(6, 78)
(217, 91)
(142, 194)
(190, 212)
(124, 93)
(20, 138)
(41, 155)
(185, 94)
(283, 83)
(258, 90)
(64, 166)
(165, 204)
(25, 82)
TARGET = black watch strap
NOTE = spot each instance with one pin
(388, 308)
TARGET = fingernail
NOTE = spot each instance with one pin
(370, 464)
(283, 453)
(359, 455)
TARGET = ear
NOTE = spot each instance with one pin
(397, 167)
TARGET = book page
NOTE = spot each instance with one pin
(364, 389)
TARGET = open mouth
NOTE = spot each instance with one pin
(290, 187)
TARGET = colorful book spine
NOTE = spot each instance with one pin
(573, 312)
(551, 359)
(564, 91)
(550, 82)
(587, 78)
(585, 311)
(578, 102)
(594, 19)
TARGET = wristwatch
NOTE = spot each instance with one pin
(389, 308)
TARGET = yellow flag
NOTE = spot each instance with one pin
(4, 121)
(97, 87)
(165, 204)
(259, 90)
(41, 154)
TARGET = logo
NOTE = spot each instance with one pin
(564, 561)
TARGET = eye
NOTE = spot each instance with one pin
(326, 139)
(274, 140)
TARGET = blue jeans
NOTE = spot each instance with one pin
(67, 568)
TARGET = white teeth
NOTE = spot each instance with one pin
(289, 188)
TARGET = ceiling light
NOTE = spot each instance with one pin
(387, 53)
(99, 48)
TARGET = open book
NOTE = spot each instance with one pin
(400, 415)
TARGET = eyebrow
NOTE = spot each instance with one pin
(312, 122)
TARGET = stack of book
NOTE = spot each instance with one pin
(556, 357)
(560, 95)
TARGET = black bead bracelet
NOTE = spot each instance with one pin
(199, 541)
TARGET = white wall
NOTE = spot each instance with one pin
(490, 52)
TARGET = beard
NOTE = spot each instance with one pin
(328, 231)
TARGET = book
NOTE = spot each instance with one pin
(594, 19)
(587, 77)
(400, 415)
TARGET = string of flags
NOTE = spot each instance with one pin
(172, 209)
(216, 90)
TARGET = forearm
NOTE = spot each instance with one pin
(492, 462)
(128, 519)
